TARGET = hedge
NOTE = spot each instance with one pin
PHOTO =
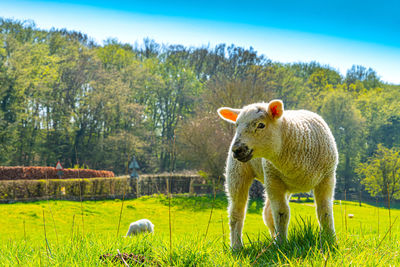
(36, 173)
(101, 188)
(174, 183)
(112, 187)
(71, 189)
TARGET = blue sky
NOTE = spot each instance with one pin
(339, 33)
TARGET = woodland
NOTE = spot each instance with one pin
(63, 97)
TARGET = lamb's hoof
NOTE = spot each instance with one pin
(237, 247)
(278, 241)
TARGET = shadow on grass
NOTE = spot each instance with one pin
(304, 240)
(203, 203)
(195, 203)
(379, 204)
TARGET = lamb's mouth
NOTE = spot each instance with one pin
(247, 157)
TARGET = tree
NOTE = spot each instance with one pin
(381, 173)
(63, 97)
(380, 109)
(368, 77)
(346, 123)
(389, 131)
(203, 143)
(169, 96)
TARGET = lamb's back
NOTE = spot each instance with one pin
(308, 151)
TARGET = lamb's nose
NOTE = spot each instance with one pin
(239, 150)
(236, 146)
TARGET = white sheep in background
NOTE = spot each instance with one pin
(289, 151)
(141, 226)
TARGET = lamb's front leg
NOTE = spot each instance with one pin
(279, 204)
(237, 186)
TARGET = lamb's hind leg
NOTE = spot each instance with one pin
(278, 197)
(238, 181)
(323, 194)
(267, 216)
(268, 219)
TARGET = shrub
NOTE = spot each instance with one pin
(178, 183)
(71, 189)
(101, 188)
(36, 173)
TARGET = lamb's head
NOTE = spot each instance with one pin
(258, 131)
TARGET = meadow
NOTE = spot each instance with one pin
(67, 233)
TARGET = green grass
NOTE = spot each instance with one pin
(75, 234)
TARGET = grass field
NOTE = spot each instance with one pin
(65, 233)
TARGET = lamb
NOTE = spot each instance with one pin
(141, 226)
(289, 151)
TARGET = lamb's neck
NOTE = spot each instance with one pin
(285, 156)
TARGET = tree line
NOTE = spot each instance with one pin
(64, 97)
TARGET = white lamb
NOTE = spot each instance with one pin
(289, 151)
(141, 226)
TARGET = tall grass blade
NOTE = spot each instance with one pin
(390, 217)
(223, 230)
(345, 211)
(122, 258)
(48, 204)
(387, 232)
(24, 232)
(80, 192)
(72, 229)
(212, 208)
(120, 213)
(45, 236)
(169, 219)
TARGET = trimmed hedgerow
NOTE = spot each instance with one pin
(71, 189)
(101, 187)
(36, 173)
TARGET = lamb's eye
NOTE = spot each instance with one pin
(261, 125)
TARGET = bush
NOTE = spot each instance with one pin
(178, 183)
(36, 173)
(71, 189)
(101, 188)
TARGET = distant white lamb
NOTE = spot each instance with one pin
(141, 226)
(289, 151)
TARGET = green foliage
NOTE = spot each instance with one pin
(345, 120)
(382, 173)
(83, 166)
(62, 97)
(203, 174)
(359, 74)
(72, 189)
(169, 102)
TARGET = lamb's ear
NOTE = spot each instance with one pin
(275, 109)
(229, 114)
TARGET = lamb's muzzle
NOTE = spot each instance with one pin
(241, 152)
